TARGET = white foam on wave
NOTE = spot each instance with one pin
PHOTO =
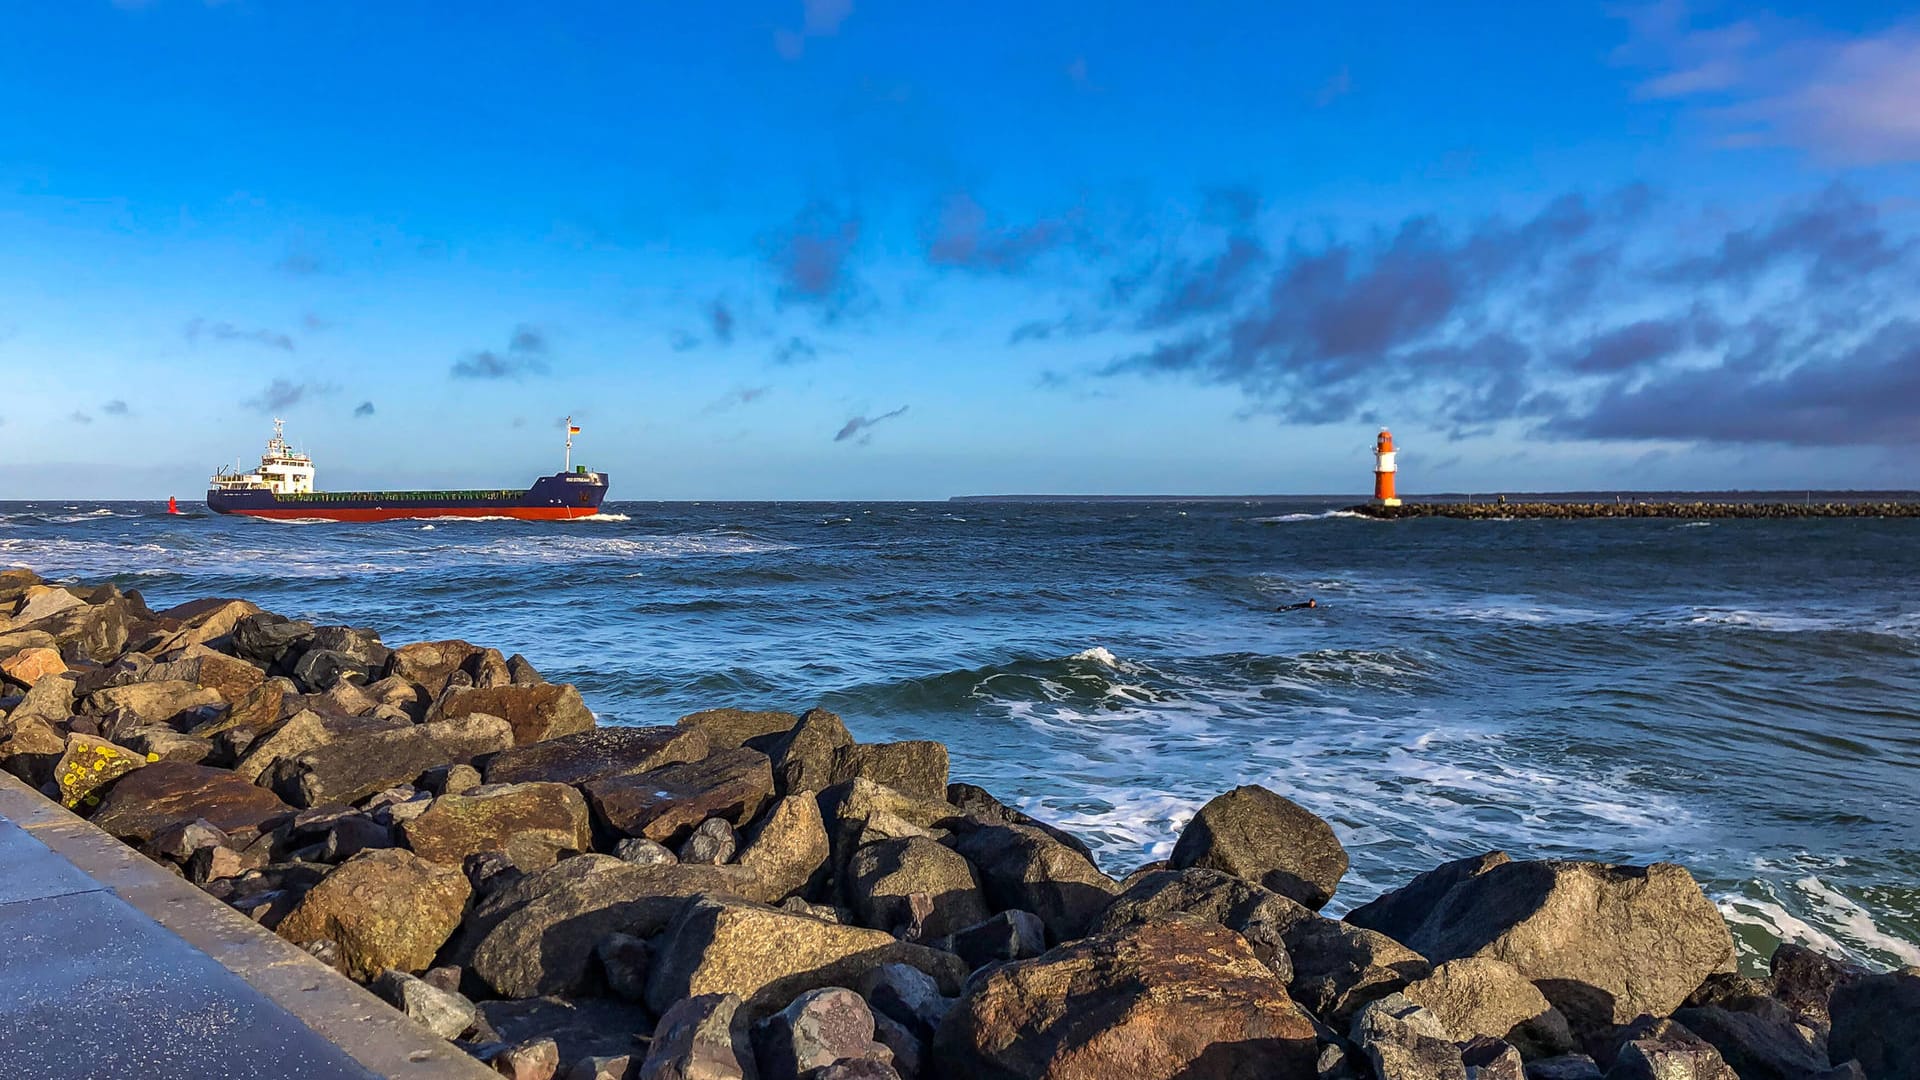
(1848, 929)
(1325, 515)
(604, 517)
(1777, 621)
(1696, 525)
(1098, 654)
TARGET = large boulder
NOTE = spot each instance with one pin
(1404, 1041)
(1478, 995)
(257, 712)
(1259, 915)
(819, 1028)
(915, 887)
(1177, 997)
(1657, 1049)
(96, 631)
(383, 909)
(597, 754)
(533, 824)
(1252, 833)
(536, 713)
(28, 665)
(44, 601)
(199, 622)
(977, 802)
(767, 956)
(1874, 1023)
(1804, 981)
(1758, 1038)
(157, 702)
(234, 678)
(667, 803)
(538, 934)
(30, 746)
(803, 759)
(786, 851)
(1604, 943)
(916, 767)
(350, 769)
(303, 731)
(273, 642)
(700, 1038)
(89, 765)
(730, 729)
(166, 793)
(1025, 869)
(1338, 967)
(430, 664)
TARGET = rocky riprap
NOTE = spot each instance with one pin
(1690, 511)
(754, 894)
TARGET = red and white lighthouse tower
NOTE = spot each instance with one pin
(1383, 470)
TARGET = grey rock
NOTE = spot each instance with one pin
(1405, 1042)
(711, 843)
(588, 1027)
(700, 1038)
(1653, 1049)
(1487, 1058)
(641, 851)
(909, 1051)
(1026, 869)
(908, 995)
(625, 960)
(1874, 1023)
(976, 802)
(1564, 1067)
(443, 1012)
(820, 1027)
(884, 877)
(1008, 936)
(1265, 838)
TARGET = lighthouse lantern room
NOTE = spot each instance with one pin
(1383, 470)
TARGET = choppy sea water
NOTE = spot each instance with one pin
(1742, 697)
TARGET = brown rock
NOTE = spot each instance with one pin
(1479, 995)
(538, 934)
(1025, 869)
(1663, 1050)
(168, 792)
(258, 711)
(165, 744)
(977, 802)
(787, 851)
(429, 664)
(537, 713)
(385, 909)
(235, 679)
(202, 621)
(303, 731)
(700, 1038)
(596, 755)
(730, 729)
(768, 956)
(666, 804)
(29, 664)
(351, 768)
(1604, 943)
(803, 760)
(1179, 997)
(885, 877)
(156, 702)
(535, 1059)
(1259, 915)
(89, 765)
(534, 824)
(30, 747)
(917, 767)
(1252, 833)
(1873, 1023)
(97, 631)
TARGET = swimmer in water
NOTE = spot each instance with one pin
(1298, 606)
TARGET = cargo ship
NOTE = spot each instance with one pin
(282, 487)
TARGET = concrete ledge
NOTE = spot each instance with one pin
(377, 1036)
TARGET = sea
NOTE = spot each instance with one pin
(1741, 697)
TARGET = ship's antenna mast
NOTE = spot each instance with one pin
(569, 427)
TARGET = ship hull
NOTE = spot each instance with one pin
(560, 497)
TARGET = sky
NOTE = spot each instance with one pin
(858, 249)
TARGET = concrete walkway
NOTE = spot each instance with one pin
(112, 967)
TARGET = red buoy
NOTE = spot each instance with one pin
(173, 506)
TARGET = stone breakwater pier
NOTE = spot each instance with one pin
(1689, 511)
(742, 894)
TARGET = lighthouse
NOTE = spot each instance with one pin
(1383, 470)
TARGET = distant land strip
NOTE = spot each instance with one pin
(1688, 510)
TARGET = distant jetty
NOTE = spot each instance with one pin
(1684, 510)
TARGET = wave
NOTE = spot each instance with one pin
(1766, 910)
(1325, 515)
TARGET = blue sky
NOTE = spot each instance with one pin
(853, 249)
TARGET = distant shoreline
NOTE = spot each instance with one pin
(1513, 499)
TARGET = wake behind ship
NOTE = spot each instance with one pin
(282, 487)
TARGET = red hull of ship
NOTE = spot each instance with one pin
(396, 513)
